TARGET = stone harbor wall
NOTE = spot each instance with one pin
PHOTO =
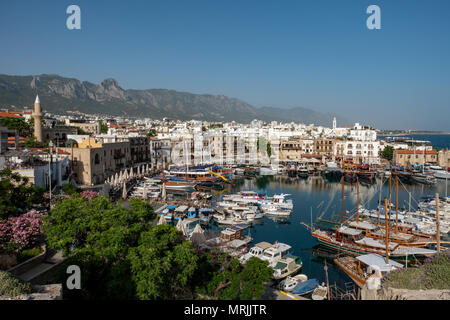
(404, 294)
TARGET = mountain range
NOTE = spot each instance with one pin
(59, 95)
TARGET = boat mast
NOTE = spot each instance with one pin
(357, 200)
(438, 230)
(186, 156)
(342, 205)
(379, 200)
(396, 203)
(385, 213)
(423, 166)
(387, 232)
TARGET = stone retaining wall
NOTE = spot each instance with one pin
(29, 264)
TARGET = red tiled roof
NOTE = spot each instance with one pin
(8, 115)
(416, 152)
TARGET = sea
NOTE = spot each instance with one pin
(438, 141)
(317, 197)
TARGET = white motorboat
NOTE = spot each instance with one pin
(275, 253)
(256, 251)
(273, 210)
(441, 174)
(290, 282)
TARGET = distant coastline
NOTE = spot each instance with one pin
(395, 134)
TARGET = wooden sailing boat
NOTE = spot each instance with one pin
(360, 268)
(355, 241)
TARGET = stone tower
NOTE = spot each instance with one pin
(37, 116)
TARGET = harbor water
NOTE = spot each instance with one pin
(317, 197)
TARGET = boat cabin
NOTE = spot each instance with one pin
(230, 234)
(276, 252)
(286, 266)
(349, 234)
(236, 247)
(192, 212)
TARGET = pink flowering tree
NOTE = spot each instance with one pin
(88, 194)
(20, 232)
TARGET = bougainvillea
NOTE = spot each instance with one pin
(23, 230)
(88, 194)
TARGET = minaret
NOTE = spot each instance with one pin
(334, 123)
(37, 116)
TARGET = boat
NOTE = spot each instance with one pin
(305, 287)
(350, 176)
(290, 282)
(256, 251)
(423, 178)
(205, 215)
(286, 266)
(264, 171)
(320, 292)
(441, 174)
(302, 172)
(360, 268)
(274, 210)
(179, 185)
(226, 241)
(332, 171)
(274, 253)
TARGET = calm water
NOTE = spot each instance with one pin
(438, 141)
(325, 200)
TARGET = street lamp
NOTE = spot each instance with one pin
(50, 144)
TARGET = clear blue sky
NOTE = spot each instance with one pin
(316, 54)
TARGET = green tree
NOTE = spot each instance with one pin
(23, 127)
(103, 127)
(17, 195)
(151, 133)
(97, 236)
(31, 142)
(163, 264)
(232, 281)
(388, 153)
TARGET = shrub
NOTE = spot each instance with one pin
(27, 254)
(11, 286)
